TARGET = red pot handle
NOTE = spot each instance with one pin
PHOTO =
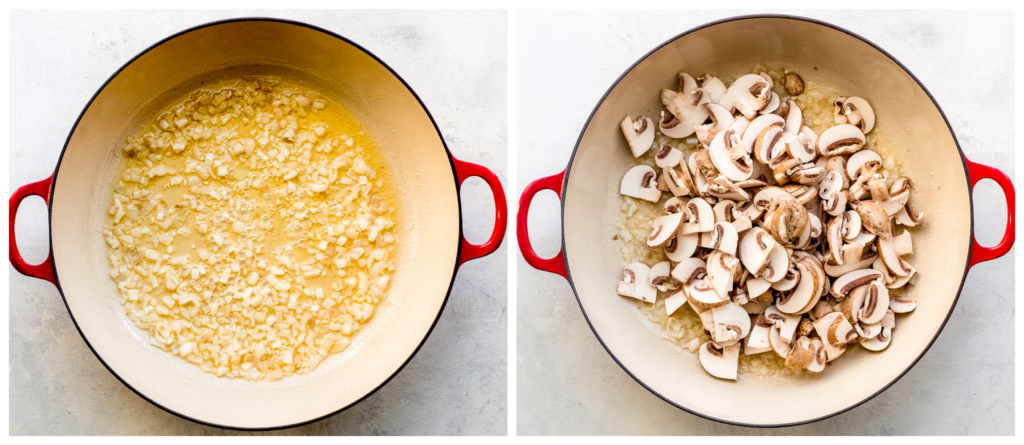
(554, 265)
(981, 253)
(43, 270)
(464, 171)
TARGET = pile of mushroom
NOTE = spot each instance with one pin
(781, 240)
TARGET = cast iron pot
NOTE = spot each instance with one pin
(928, 152)
(430, 252)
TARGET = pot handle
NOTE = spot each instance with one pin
(556, 264)
(981, 253)
(464, 171)
(43, 270)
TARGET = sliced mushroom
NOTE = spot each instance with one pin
(725, 211)
(672, 127)
(674, 302)
(822, 327)
(748, 95)
(907, 217)
(639, 134)
(859, 113)
(634, 283)
(702, 217)
(785, 219)
(723, 188)
(681, 247)
(777, 266)
(755, 247)
(702, 169)
(879, 342)
(840, 332)
(689, 269)
(666, 156)
(867, 331)
(718, 361)
(721, 119)
(756, 128)
(663, 228)
(641, 182)
(714, 86)
(838, 113)
(702, 295)
(684, 102)
(821, 309)
(659, 277)
(820, 357)
(729, 156)
(840, 139)
(740, 125)
(846, 283)
(675, 182)
(901, 305)
(879, 193)
(798, 149)
(899, 195)
(758, 337)
(732, 324)
(902, 244)
(775, 341)
(757, 287)
(809, 287)
(854, 302)
(862, 161)
(765, 141)
(834, 269)
(874, 219)
(722, 269)
(773, 104)
(893, 261)
(724, 238)
(789, 280)
(801, 355)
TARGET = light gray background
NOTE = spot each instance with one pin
(456, 62)
(568, 384)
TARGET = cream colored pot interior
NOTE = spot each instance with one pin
(912, 125)
(428, 216)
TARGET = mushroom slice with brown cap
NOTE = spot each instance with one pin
(722, 269)
(702, 217)
(811, 233)
(676, 184)
(639, 134)
(893, 261)
(902, 244)
(702, 295)
(821, 309)
(681, 247)
(689, 269)
(794, 118)
(889, 320)
(807, 289)
(907, 217)
(748, 209)
(793, 83)
(687, 108)
(725, 211)
(788, 281)
(713, 85)
(777, 266)
(766, 140)
(822, 328)
(853, 303)
(867, 331)
(808, 174)
(641, 182)
(663, 228)
(755, 248)
(672, 127)
(887, 276)
(859, 113)
(840, 139)
(796, 148)
(724, 238)
(729, 156)
(676, 205)
(835, 204)
(879, 193)
(786, 223)
(763, 197)
(834, 237)
(861, 162)
(899, 195)
(732, 324)
(830, 183)
(721, 119)
(706, 320)
(874, 219)
(739, 125)
(752, 133)
(834, 269)
(839, 113)
(840, 332)
(775, 341)
(702, 169)
(773, 104)
(781, 172)
(721, 362)
(748, 95)
(876, 303)
(634, 283)
(879, 342)
(674, 302)
(901, 305)
(666, 156)
(820, 358)
(801, 355)
(846, 283)
(659, 277)
(851, 225)
(723, 188)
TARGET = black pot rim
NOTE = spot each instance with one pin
(963, 160)
(56, 170)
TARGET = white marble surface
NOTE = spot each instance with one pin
(568, 384)
(455, 60)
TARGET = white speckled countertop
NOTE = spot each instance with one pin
(568, 384)
(457, 63)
